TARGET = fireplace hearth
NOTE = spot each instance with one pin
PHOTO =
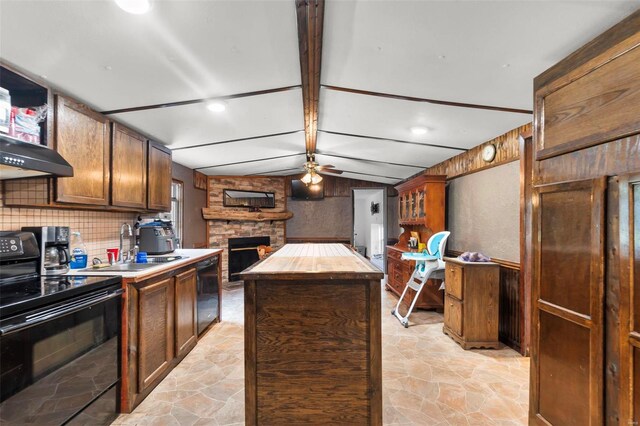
(243, 253)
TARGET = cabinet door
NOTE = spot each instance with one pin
(128, 169)
(155, 331)
(159, 178)
(568, 298)
(186, 319)
(82, 138)
(629, 309)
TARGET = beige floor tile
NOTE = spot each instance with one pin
(427, 378)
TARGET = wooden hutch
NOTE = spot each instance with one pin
(422, 210)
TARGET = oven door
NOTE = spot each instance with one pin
(56, 361)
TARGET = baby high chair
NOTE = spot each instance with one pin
(429, 264)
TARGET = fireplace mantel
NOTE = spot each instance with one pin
(234, 215)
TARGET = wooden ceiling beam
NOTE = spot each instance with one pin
(250, 161)
(310, 15)
(427, 100)
(202, 100)
(271, 135)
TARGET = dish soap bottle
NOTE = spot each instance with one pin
(78, 252)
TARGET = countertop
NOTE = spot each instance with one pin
(331, 260)
(191, 256)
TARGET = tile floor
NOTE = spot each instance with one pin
(427, 378)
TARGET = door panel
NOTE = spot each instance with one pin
(629, 310)
(129, 166)
(568, 297)
(186, 320)
(155, 331)
(82, 138)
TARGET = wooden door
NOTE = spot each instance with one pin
(82, 138)
(567, 312)
(155, 331)
(159, 178)
(629, 301)
(186, 313)
(129, 168)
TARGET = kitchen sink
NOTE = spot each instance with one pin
(164, 259)
(122, 267)
(133, 267)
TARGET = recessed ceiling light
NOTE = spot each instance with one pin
(419, 131)
(216, 106)
(136, 7)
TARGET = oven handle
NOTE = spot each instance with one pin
(59, 312)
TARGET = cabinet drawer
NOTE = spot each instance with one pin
(453, 315)
(453, 279)
(394, 254)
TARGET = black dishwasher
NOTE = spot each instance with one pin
(208, 289)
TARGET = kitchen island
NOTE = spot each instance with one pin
(312, 337)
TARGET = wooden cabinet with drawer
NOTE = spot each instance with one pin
(471, 303)
(398, 273)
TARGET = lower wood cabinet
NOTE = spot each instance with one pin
(161, 329)
(186, 313)
(471, 311)
(398, 273)
(155, 331)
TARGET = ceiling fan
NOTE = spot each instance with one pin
(314, 169)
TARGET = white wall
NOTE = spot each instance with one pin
(364, 220)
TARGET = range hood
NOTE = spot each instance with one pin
(22, 159)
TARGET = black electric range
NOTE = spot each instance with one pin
(32, 292)
(56, 332)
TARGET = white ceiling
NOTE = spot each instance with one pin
(483, 52)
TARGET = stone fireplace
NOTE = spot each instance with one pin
(222, 230)
(243, 252)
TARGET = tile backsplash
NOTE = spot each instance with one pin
(100, 230)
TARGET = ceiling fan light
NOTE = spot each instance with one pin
(135, 7)
(315, 179)
(306, 179)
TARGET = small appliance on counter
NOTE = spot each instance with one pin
(38, 315)
(156, 236)
(53, 242)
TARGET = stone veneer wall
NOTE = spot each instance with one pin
(220, 231)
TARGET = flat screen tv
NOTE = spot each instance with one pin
(300, 191)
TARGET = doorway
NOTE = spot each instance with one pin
(369, 218)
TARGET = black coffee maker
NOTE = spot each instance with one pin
(53, 242)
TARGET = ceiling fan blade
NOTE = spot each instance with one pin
(332, 171)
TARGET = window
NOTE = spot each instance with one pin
(177, 205)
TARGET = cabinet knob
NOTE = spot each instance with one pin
(451, 304)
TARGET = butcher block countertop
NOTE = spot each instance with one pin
(326, 261)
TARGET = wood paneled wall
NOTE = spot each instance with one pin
(511, 326)
(341, 187)
(587, 145)
(507, 150)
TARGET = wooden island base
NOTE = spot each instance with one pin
(312, 338)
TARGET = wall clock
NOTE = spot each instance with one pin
(489, 153)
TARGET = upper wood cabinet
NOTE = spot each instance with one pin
(159, 178)
(128, 168)
(82, 138)
(422, 202)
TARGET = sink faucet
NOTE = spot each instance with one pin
(125, 228)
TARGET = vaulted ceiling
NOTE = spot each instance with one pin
(381, 62)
